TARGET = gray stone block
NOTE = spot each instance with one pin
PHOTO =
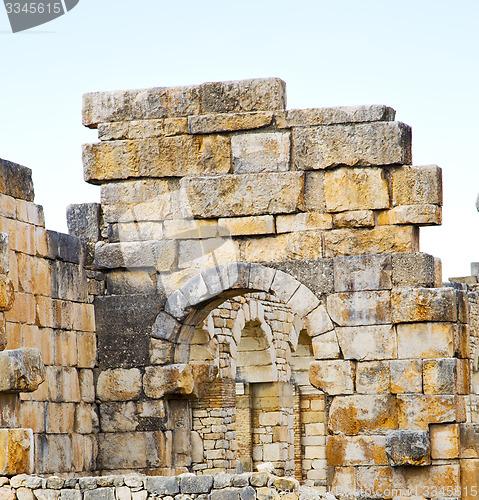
(469, 440)
(16, 180)
(4, 257)
(83, 221)
(165, 327)
(408, 447)
(475, 268)
(196, 484)
(226, 494)
(248, 493)
(163, 485)
(241, 480)
(222, 481)
(362, 272)
(99, 494)
(21, 370)
(413, 269)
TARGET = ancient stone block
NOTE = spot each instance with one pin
(417, 411)
(469, 474)
(380, 239)
(16, 456)
(229, 122)
(355, 189)
(305, 221)
(196, 484)
(406, 376)
(119, 384)
(413, 269)
(462, 345)
(16, 180)
(363, 414)
(142, 129)
(119, 417)
(21, 370)
(163, 485)
(380, 481)
(242, 226)
(406, 447)
(425, 480)
(352, 145)
(368, 342)
(259, 94)
(161, 157)
(469, 440)
(417, 185)
(365, 272)
(423, 304)
(332, 376)
(171, 379)
(7, 293)
(422, 215)
(4, 255)
(444, 441)
(354, 218)
(231, 494)
(260, 152)
(463, 376)
(303, 301)
(439, 376)
(425, 340)
(356, 450)
(84, 221)
(129, 282)
(246, 194)
(325, 346)
(372, 377)
(314, 197)
(359, 308)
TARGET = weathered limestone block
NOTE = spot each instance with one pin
(21, 370)
(417, 411)
(469, 474)
(363, 414)
(159, 255)
(359, 308)
(176, 156)
(314, 197)
(380, 239)
(160, 352)
(356, 450)
(119, 385)
(299, 245)
(190, 229)
(7, 293)
(364, 343)
(260, 152)
(247, 194)
(425, 480)
(119, 417)
(196, 484)
(96, 494)
(135, 231)
(355, 189)
(385, 143)
(373, 377)
(170, 379)
(325, 346)
(84, 221)
(425, 340)
(422, 215)
(318, 322)
(142, 129)
(384, 481)
(332, 376)
(331, 116)
(406, 447)
(365, 272)
(4, 255)
(243, 226)
(16, 181)
(469, 440)
(406, 376)
(413, 269)
(163, 485)
(16, 451)
(130, 282)
(305, 221)
(439, 376)
(417, 185)
(229, 122)
(462, 344)
(444, 441)
(423, 304)
(354, 218)
(259, 94)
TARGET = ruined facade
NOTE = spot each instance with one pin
(249, 290)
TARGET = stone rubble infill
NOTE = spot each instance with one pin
(247, 486)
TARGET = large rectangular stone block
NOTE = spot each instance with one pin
(16, 181)
(380, 239)
(439, 376)
(332, 376)
(305, 221)
(373, 377)
(417, 185)
(469, 440)
(359, 308)
(229, 122)
(363, 414)
(365, 272)
(354, 218)
(16, 451)
(425, 340)
(368, 450)
(423, 304)
(413, 269)
(163, 157)
(406, 376)
(417, 411)
(386, 143)
(355, 189)
(444, 441)
(119, 384)
(421, 215)
(373, 342)
(242, 226)
(469, 475)
(406, 447)
(142, 129)
(440, 478)
(247, 194)
(380, 481)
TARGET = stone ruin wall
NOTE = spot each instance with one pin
(258, 295)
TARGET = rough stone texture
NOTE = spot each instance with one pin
(21, 370)
(229, 122)
(248, 194)
(142, 129)
(365, 343)
(16, 181)
(439, 376)
(422, 215)
(352, 145)
(373, 377)
(408, 447)
(171, 379)
(163, 157)
(417, 411)
(325, 346)
(355, 189)
(469, 440)
(425, 340)
(242, 226)
(417, 185)
(16, 456)
(261, 152)
(444, 441)
(413, 269)
(469, 474)
(119, 384)
(366, 272)
(363, 414)
(332, 377)
(356, 450)
(4, 257)
(354, 218)
(84, 221)
(306, 221)
(406, 376)
(163, 485)
(7, 293)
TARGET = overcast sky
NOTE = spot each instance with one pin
(418, 56)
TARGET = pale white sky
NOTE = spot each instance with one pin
(418, 56)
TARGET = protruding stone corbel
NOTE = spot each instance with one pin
(405, 447)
